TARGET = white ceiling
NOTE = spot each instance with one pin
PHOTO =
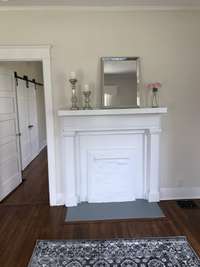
(104, 3)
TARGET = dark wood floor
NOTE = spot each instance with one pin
(25, 216)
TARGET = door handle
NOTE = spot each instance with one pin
(18, 134)
(30, 126)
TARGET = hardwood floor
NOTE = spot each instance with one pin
(25, 216)
(34, 190)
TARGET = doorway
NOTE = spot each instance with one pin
(31, 109)
(33, 53)
(21, 84)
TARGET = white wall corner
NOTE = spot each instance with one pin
(170, 193)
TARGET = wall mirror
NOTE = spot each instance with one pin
(120, 82)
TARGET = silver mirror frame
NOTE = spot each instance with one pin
(137, 59)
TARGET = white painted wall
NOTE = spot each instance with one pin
(168, 43)
(34, 71)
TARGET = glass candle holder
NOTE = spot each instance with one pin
(87, 95)
(155, 98)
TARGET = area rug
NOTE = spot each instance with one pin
(150, 252)
(113, 211)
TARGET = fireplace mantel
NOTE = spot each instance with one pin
(105, 112)
(110, 154)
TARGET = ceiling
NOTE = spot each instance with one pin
(104, 3)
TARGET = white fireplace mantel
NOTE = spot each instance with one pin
(110, 154)
(106, 112)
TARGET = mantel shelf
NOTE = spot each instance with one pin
(104, 112)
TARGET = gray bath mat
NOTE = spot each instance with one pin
(113, 211)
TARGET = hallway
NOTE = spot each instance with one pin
(25, 216)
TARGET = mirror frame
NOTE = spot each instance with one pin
(137, 59)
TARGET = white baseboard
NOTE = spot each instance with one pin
(42, 146)
(168, 193)
(179, 193)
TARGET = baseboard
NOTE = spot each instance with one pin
(42, 146)
(170, 193)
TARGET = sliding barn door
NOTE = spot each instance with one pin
(10, 167)
(23, 111)
(28, 123)
(33, 120)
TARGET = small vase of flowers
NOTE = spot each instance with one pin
(155, 98)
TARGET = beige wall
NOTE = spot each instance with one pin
(34, 71)
(169, 46)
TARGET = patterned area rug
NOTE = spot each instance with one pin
(151, 252)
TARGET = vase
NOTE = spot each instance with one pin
(155, 98)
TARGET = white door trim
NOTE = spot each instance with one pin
(39, 53)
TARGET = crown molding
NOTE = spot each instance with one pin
(44, 46)
(101, 8)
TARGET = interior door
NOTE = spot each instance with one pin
(10, 167)
(23, 110)
(33, 120)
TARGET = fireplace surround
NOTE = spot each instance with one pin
(110, 155)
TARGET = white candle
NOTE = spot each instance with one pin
(86, 88)
(72, 75)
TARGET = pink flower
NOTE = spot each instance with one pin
(157, 85)
(153, 85)
(148, 85)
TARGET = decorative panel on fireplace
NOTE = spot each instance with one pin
(111, 166)
(112, 175)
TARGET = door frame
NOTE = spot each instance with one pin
(40, 53)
